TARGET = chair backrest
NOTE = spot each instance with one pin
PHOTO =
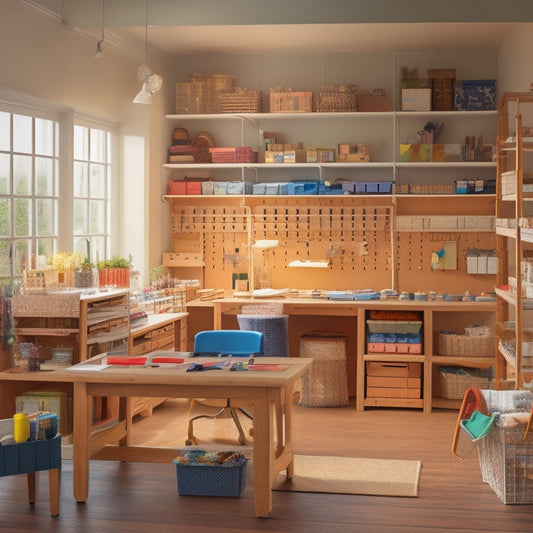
(236, 342)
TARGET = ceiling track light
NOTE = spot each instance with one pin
(151, 82)
(99, 52)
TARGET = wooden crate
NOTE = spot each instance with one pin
(291, 102)
(393, 380)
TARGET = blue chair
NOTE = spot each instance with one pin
(238, 343)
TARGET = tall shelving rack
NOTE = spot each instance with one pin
(514, 209)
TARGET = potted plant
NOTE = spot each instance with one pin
(84, 275)
(114, 272)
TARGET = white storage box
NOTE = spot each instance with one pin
(416, 99)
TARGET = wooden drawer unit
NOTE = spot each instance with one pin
(393, 384)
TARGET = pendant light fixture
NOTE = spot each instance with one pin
(99, 52)
(151, 82)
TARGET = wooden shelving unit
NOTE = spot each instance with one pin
(514, 368)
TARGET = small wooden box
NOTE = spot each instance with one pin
(291, 102)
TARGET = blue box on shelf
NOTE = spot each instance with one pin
(475, 95)
(211, 480)
(302, 187)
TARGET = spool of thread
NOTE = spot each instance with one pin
(21, 427)
(33, 362)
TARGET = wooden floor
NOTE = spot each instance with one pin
(136, 497)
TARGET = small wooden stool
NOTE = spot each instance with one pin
(31, 457)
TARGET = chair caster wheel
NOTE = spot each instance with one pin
(191, 442)
(251, 432)
(242, 441)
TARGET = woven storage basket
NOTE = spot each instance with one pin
(240, 101)
(325, 384)
(275, 329)
(452, 385)
(506, 461)
(46, 304)
(211, 480)
(337, 98)
(467, 345)
(442, 84)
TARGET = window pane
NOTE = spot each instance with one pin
(21, 174)
(22, 134)
(5, 258)
(98, 182)
(44, 177)
(80, 217)
(45, 217)
(81, 183)
(81, 143)
(98, 145)
(45, 247)
(5, 131)
(98, 248)
(22, 208)
(22, 253)
(5, 217)
(44, 137)
(108, 137)
(97, 221)
(5, 181)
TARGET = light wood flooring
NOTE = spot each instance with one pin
(139, 497)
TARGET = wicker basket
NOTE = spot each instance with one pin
(240, 101)
(46, 304)
(452, 383)
(506, 461)
(337, 98)
(442, 84)
(325, 384)
(467, 345)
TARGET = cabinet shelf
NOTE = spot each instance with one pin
(46, 332)
(394, 358)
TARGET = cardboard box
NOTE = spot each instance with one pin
(416, 99)
(52, 401)
(295, 156)
(272, 156)
(416, 153)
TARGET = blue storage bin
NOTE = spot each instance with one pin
(385, 187)
(372, 188)
(30, 456)
(211, 480)
(259, 188)
(360, 187)
(303, 187)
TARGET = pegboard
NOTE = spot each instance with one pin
(354, 235)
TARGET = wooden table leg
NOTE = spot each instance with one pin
(53, 489)
(82, 427)
(31, 487)
(263, 454)
(288, 428)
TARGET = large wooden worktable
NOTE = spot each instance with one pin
(349, 317)
(270, 391)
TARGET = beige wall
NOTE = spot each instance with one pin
(43, 59)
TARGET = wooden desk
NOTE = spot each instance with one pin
(269, 391)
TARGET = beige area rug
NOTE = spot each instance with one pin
(348, 475)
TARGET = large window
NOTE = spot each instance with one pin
(92, 192)
(29, 191)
